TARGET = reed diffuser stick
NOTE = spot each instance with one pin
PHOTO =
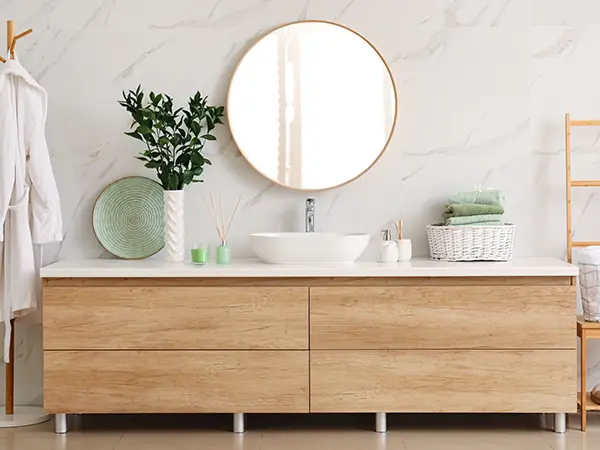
(213, 218)
(214, 205)
(398, 224)
(222, 218)
(218, 215)
(233, 214)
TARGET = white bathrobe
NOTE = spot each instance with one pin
(30, 212)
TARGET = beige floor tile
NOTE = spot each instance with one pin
(476, 440)
(465, 432)
(99, 434)
(92, 440)
(331, 439)
(189, 440)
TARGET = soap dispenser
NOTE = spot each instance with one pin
(388, 249)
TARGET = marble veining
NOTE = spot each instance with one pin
(483, 87)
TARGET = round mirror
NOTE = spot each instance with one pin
(312, 105)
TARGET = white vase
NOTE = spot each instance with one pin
(174, 226)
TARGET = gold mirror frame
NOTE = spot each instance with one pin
(277, 182)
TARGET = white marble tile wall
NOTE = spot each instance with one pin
(483, 86)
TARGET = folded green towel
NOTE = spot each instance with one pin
(471, 209)
(494, 219)
(482, 197)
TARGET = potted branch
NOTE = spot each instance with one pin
(174, 139)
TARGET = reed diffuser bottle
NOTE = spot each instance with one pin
(218, 218)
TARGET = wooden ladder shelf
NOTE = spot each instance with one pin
(575, 183)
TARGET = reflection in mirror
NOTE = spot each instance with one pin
(312, 105)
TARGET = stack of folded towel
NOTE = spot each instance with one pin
(480, 207)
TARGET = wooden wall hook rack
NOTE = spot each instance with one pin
(11, 38)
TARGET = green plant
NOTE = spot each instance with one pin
(174, 138)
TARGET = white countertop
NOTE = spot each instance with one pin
(253, 268)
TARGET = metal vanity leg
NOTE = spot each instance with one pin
(238, 422)
(60, 423)
(381, 422)
(560, 422)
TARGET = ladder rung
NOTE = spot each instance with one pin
(588, 183)
(585, 123)
(585, 244)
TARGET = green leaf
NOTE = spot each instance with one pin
(207, 161)
(175, 140)
(196, 128)
(164, 180)
(137, 117)
(143, 129)
(173, 181)
(183, 160)
(150, 140)
(148, 113)
(152, 165)
(135, 135)
(198, 159)
(188, 176)
(208, 137)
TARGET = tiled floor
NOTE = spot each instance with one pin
(304, 432)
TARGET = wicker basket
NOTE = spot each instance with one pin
(471, 242)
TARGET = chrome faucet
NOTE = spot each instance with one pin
(310, 215)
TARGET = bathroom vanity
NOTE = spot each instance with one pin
(153, 337)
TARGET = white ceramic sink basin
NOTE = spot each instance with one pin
(308, 248)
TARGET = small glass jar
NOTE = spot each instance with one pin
(200, 254)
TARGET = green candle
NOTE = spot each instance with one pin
(200, 254)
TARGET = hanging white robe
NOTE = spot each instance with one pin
(30, 213)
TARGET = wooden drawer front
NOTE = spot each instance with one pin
(443, 381)
(175, 381)
(465, 317)
(203, 318)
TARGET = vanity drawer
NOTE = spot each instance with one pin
(197, 318)
(175, 381)
(442, 317)
(443, 381)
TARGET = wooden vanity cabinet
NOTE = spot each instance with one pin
(289, 345)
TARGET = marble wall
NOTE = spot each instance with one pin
(483, 87)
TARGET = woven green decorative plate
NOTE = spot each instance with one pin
(128, 218)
